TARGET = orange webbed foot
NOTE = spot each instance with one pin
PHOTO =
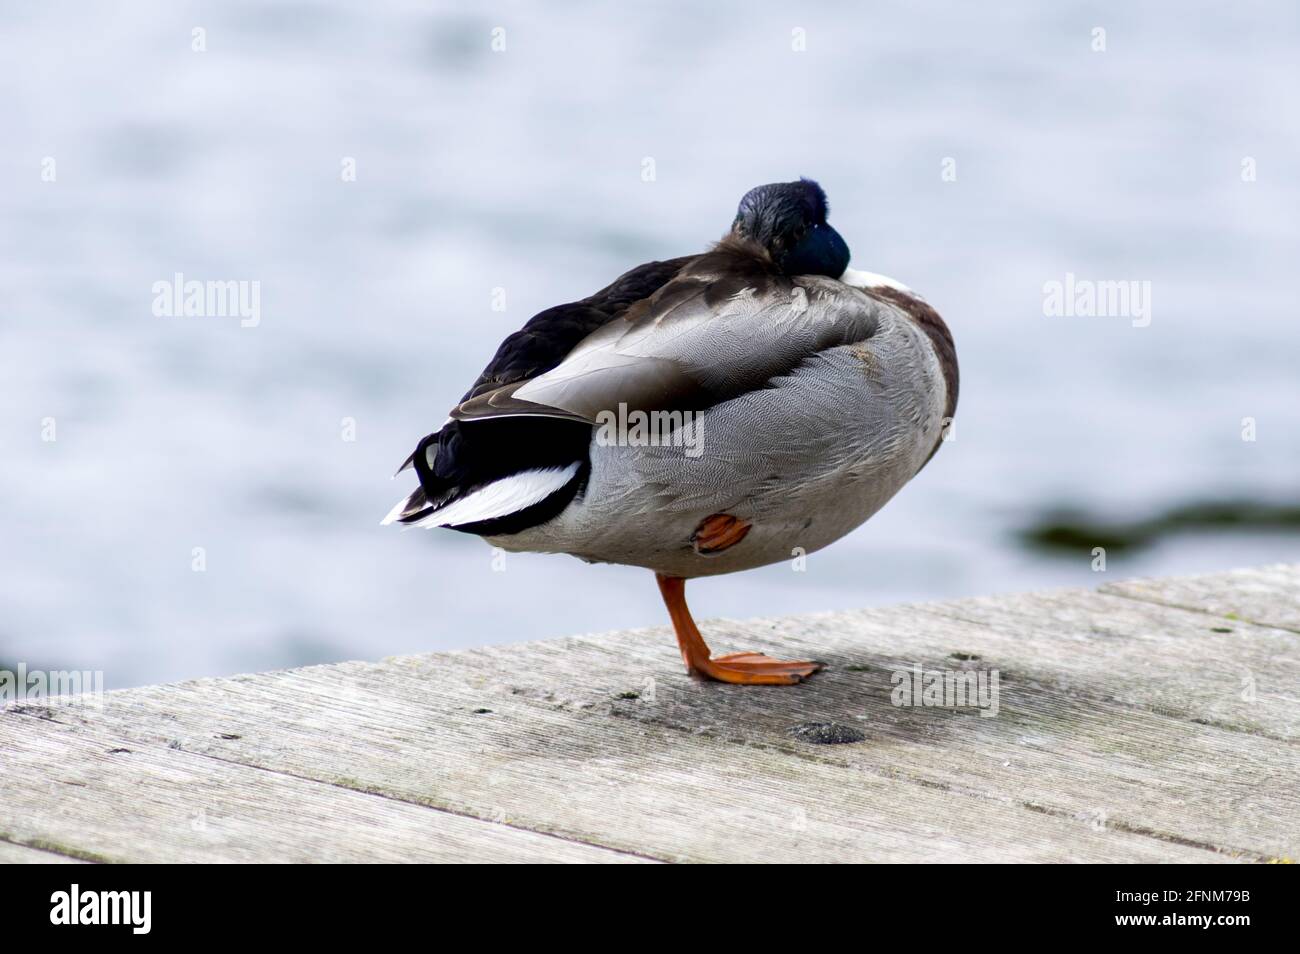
(745, 669)
(718, 532)
(755, 669)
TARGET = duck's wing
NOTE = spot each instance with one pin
(715, 331)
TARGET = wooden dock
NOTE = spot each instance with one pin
(1146, 721)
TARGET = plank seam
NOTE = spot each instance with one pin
(1144, 598)
(49, 848)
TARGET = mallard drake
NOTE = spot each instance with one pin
(701, 415)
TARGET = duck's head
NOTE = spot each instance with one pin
(789, 220)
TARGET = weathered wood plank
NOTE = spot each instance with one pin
(11, 854)
(84, 794)
(1233, 674)
(1268, 595)
(708, 775)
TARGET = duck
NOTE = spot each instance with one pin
(708, 414)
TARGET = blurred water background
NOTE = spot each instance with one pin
(522, 169)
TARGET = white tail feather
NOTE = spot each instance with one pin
(498, 499)
(396, 511)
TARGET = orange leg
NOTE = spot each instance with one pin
(750, 669)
